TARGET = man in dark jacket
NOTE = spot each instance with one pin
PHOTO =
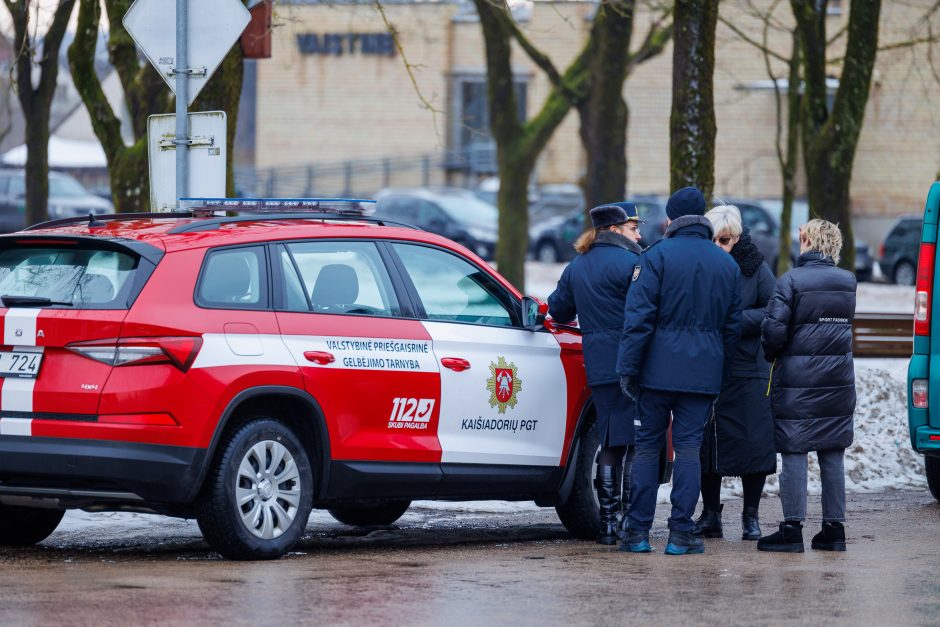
(808, 335)
(594, 288)
(682, 317)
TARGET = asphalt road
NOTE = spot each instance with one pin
(444, 567)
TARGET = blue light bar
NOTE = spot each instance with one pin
(352, 206)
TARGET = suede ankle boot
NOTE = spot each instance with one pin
(750, 524)
(788, 540)
(708, 524)
(831, 538)
(609, 499)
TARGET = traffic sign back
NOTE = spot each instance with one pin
(214, 27)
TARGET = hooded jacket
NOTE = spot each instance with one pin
(683, 312)
(594, 288)
(808, 334)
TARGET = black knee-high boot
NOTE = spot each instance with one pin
(608, 495)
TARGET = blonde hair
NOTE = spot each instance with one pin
(585, 241)
(726, 219)
(824, 237)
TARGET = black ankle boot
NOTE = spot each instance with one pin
(609, 499)
(831, 538)
(750, 524)
(788, 540)
(708, 524)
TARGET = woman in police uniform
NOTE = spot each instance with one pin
(594, 288)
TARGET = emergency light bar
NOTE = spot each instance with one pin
(342, 206)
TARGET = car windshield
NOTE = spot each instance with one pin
(65, 186)
(469, 210)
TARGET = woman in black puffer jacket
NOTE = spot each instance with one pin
(808, 335)
(739, 438)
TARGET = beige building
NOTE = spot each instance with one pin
(341, 106)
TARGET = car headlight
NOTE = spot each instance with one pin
(483, 235)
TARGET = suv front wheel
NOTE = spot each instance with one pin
(259, 493)
(25, 526)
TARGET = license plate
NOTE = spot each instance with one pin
(23, 365)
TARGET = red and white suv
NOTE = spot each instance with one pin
(243, 369)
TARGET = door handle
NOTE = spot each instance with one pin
(455, 363)
(319, 357)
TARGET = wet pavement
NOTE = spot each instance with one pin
(451, 567)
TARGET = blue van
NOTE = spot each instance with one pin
(923, 375)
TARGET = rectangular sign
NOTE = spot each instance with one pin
(207, 157)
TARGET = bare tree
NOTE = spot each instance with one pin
(692, 125)
(36, 100)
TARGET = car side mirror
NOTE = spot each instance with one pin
(534, 312)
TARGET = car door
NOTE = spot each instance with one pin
(503, 388)
(368, 365)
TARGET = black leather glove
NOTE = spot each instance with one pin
(629, 387)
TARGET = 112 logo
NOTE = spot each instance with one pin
(410, 413)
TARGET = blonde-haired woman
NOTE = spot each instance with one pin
(739, 438)
(807, 334)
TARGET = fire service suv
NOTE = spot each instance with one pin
(244, 361)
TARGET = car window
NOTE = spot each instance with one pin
(17, 186)
(429, 213)
(341, 278)
(454, 290)
(755, 219)
(233, 278)
(398, 208)
(81, 277)
(4, 184)
(61, 185)
(649, 211)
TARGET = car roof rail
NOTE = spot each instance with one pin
(216, 212)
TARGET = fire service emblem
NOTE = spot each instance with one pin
(504, 384)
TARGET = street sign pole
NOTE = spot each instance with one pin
(182, 98)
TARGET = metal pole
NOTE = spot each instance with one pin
(182, 100)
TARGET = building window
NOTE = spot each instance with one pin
(471, 140)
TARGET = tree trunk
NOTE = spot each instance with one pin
(830, 138)
(37, 163)
(223, 93)
(604, 112)
(692, 123)
(513, 201)
(789, 157)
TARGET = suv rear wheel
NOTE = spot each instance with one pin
(384, 513)
(259, 493)
(905, 273)
(933, 475)
(25, 526)
(546, 252)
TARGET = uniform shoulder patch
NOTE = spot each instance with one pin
(636, 272)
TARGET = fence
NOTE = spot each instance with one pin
(883, 335)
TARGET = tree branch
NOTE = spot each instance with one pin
(51, 43)
(737, 31)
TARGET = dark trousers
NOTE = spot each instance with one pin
(689, 414)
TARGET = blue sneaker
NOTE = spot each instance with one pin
(636, 543)
(684, 543)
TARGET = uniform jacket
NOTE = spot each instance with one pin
(808, 331)
(594, 288)
(683, 312)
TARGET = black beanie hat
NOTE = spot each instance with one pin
(687, 201)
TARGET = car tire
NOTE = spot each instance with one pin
(546, 252)
(905, 273)
(258, 494)
(383, 513)
(933, 475)
(26, 526)
(580, 513)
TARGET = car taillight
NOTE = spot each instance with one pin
(136, 351)
(925, 264)
(919, 393)
(881, 251)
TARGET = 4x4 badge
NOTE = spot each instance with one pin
(504, 384)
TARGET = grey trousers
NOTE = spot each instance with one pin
(793, 485)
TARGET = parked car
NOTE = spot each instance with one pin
(899, 250)
(923, 381)
(552, 240)
(67, 199)
(242, 376)
(453, 213)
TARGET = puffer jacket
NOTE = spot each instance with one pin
(594, 288)
(683, 312)
(807, 335)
